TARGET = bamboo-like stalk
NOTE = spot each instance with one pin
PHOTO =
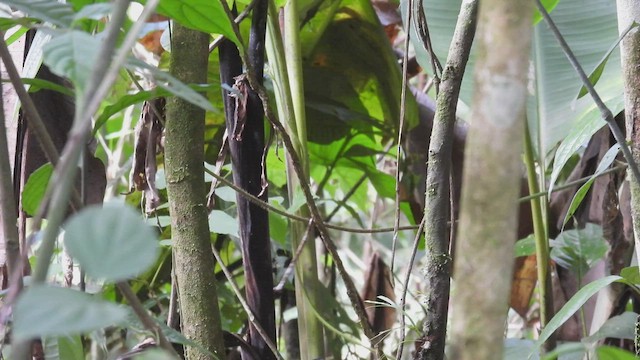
(291, 104)
(489, 206)
(541, 239)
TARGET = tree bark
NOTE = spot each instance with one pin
(184, 168)
(628, 12)
(437, 268)
(491, 184)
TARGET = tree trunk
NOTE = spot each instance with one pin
(437, 268)
(184, 168)
(491, 186)
(628, 12)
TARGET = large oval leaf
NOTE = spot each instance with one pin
(72, 55)
(573, 305)
(112, 242)
(51, 311)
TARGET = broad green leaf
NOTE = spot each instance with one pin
(579, 249)
(63, 347)
(594, 76)
(573, 305)
(171, 84)
(12, 37)
(72, 55)
(606, 161)
(111, 242)
(43, 310)
(525, 247)
(631, 274)
(589, 26)
(93, 11)
(204, 15)
(55, 12)
(613, 353)
(549, 5)
(221, 223)
(587, 124)
(35, 188)
(125, 101)
(576, 349)
(622, 326)
(517, 349)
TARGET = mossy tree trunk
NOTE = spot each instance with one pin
(184, 168)
(491, 185)
(437, 268)
(628, 12)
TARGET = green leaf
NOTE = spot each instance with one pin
(57, 13)
(579, 249)
(111, 242)
(631, 274)
(549, 5)
(222, 223)
(93, 11)
(35, 188)
(39, 84)
(43, 310)
(63, 347)
(153, 354)
(171, 84)
(204, 15)
(525, 247)
(597, 72)
(622, 326)
(575, 348)
(573, 305)
(606, 161)
(613, 353)
(72, 55)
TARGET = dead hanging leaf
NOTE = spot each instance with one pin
(240, 92)
(378, 283)
(148, 140)
(525, 277)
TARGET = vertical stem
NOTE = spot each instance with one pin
(306, 282)
(541, 239)
(437, 268)
(184, 159)
(489, 206)
(8, 214)
(628, 12)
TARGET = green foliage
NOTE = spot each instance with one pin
(606, 161)
(621, 326)
(72, 54)
(579, 249)
(203, 15)
(44, 310)
(35, 188)
(573, 305)
(57, 13)
(111, 242)
(222, 223)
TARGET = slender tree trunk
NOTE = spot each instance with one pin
(247, 148)
(489, 208)
(184, 168)
(628, 12)
(437, 268)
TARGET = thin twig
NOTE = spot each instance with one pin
(294, 259)
(146, 319)
(405, 287)
(606, 114)
(291, 216)
(422, 28)
(403, 110)
(237, 20)
(245, 305)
